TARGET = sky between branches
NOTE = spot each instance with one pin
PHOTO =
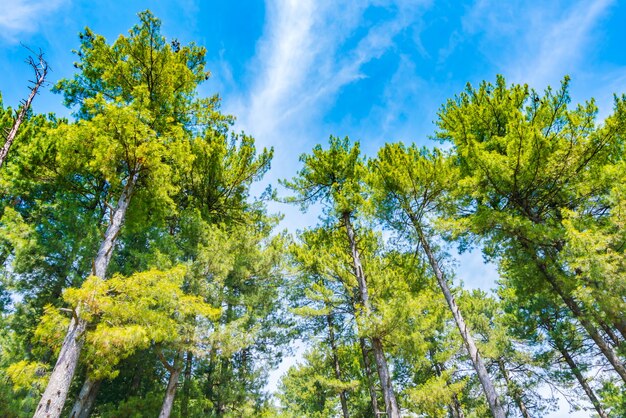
(295, 71)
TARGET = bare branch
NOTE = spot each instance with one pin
(41, 68)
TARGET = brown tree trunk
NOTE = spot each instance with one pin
(576, 310)
(86, 398)
(172, 384)
(55, 395)
(477, 361)
(391, 403)
(455, 408)
(336, 366)
(513, 390)
(184, 405)
(41, 70)
(53, 399)
(367, 367)
(581, 380)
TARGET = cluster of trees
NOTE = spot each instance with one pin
(140, 277)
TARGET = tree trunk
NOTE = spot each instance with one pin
(391, 404)
(55, 395)
(86, 399)
(333, 348)
(477, 361)
(172, 384)
(367, 367)
(456, 407)
(53, 399)
(581, 379)
(513, 390)
(184, 405)
(41, 70)
(576, 310)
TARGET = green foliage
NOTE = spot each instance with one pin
(198, 273)
(333, 177)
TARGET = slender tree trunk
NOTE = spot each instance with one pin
(457, 411)
(367, 367)
(172, 384)
(333, 348)
(581, 379)
(136, 382)
(576, 310)
(513, 390)
(609, 332)
(220, 403)
(455, 406)
(86, 399)
(53, 399)
(477, 361)
(55, 395)
(391, 403)
(620, 325)
(184, 406)
(41, 70)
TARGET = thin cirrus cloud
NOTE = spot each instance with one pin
(309, 51)
(538, 44)
(19, 17)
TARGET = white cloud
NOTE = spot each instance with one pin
(308, 53)
(536, 44)
(562, 45)
(19, 17)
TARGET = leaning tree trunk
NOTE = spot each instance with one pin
(53, 398)
(86, 399)
(41, 70)
(455, 406)
(582, 381)
(391, 403)
(184, 406)
(172, 384)
(574, 368)
(477, 361)
(336, 366)
(513, 390)
(578, 313)
(367, 367)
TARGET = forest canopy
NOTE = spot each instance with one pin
(142, 276)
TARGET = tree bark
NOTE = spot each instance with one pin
(86, 399)
(367, 367)
(184, 405)
(53, 399)
(513, 390)
(172, 384)
(333, 348)
(55, 395)
(477, 361)
(581, 379)
(455, 408)
(576, 310)
(41, 70)
(391, 403)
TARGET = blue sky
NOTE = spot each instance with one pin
(295, 71)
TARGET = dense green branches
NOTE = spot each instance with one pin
(133, 250)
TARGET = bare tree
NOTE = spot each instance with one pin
(41, 68)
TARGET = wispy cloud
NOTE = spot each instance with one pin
(308, 53)
(20, 17)
(536, 44)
